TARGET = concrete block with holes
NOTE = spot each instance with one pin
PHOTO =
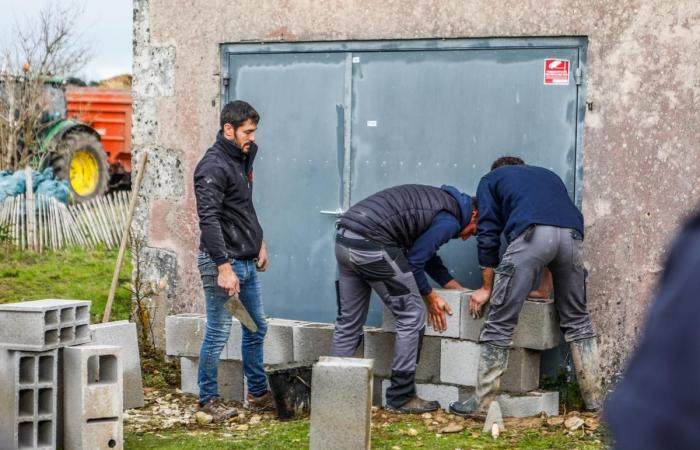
(454, 298)
(442, 393)
(229, 377)
(460, 361)
(28, 399)
(44, 324)
(341, 404)
(537, 329)
(184, 334)
(279, 341)
(123, 334)
(379, 345)
(93, 399)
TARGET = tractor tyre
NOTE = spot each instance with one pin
(80, 159)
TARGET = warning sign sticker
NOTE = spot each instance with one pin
(556, 71)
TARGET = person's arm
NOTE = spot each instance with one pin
(209, 182)
(436, 270)
(481, 296)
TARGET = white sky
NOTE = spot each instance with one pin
(106, 26)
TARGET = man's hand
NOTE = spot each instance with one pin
(228, 279)
(437, 307)
(262, 262)
(453, 284)
(478, 299)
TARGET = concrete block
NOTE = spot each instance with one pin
(93, 399)
(346, 382)
(311, 341)
(44, 324)
(184, 334)
(379, 345)
(28, 399)
(537, 329)
(530, 404)
(460, 361)
(230, 378)
(442, 393)
(454, 298)
(279, 341)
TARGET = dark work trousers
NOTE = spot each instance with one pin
(364, 265)
(540, 246)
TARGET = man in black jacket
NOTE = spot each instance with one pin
(387, 243)
(232, 251)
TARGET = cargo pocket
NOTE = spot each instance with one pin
(501, 284)
(209, 273)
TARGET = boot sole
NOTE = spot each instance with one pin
(472, 415)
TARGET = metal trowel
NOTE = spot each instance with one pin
(237, 310)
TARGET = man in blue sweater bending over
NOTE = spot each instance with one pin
(387, 243)
(530, 206)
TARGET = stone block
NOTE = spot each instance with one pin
(28, 399)
(279, 341)
(530, 404)
(442, 393)
(184, 334)
(93, 399)
(460, 361)
(537, 329)
(346, 382)
(230, 378)
(379, 345)
(44, 324)
(311, 341)
(454, 298)
(123, 334)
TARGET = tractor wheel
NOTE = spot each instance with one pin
(80, 159)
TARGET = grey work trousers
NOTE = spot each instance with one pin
(362, 268)
(560, 249)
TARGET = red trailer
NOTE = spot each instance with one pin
(107, 111)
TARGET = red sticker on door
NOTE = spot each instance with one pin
(556, 71)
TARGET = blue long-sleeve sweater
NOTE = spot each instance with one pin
(511, 198)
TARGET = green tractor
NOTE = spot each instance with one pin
(73, 149)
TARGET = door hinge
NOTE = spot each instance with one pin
(578, 76)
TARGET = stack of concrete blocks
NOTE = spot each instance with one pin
(447, 369)
(93, 399)
(341, 404)
(286, 341)
(30, 335)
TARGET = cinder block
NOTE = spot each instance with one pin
(537, 329)
(279, 341)
(379, 345)
(311, 341)
(28, 399)
(453, 297)
(346, 382)
(442, 393)
(229, 377)
(530, 404)
(93, 399)
(123, 334)
(44, 324)
(184, 334)
(460, 361)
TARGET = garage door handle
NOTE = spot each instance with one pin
(338, 212)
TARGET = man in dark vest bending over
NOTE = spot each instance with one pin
(388, 242)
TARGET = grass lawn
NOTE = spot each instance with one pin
(75, 274)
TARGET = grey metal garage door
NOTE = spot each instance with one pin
(341, 121)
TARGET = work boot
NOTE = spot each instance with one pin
(218, 410)
(587, 365)
(260, 403)
(493, 361)
(415, 405)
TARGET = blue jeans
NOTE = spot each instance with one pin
(219, 327)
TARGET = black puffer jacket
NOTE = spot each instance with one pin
(397, 216)
(223, 186)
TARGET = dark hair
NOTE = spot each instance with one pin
(507, 161)
(237, 112)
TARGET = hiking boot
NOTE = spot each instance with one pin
(415, 405)
(261, 403)
(493, 361)
(218, 410)
(587, 364)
